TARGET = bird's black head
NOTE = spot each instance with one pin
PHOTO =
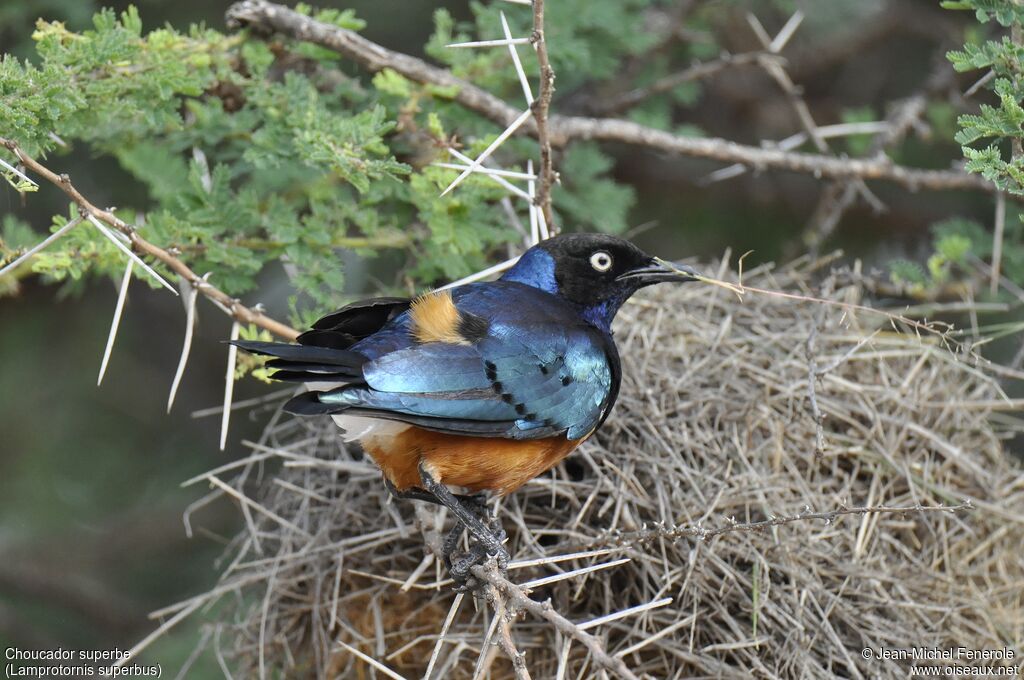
(595, 272)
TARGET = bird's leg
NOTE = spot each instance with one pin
(485, 536)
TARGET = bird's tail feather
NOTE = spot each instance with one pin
(306, 363)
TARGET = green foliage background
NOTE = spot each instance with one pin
(300, 182)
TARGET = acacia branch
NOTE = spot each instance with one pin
(269, 17)
(232, 306)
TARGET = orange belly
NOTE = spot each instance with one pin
(477, 463)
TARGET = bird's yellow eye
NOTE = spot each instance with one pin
(601, 261)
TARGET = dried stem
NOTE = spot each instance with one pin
(232, 306)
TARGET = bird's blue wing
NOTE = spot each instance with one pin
(537, 372)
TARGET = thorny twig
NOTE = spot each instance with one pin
(563, 129)
(230, 305)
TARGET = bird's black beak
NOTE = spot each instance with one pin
(658, 271)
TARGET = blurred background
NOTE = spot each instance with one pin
(91, 530)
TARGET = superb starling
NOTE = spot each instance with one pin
(484, 386)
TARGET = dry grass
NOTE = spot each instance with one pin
(714, 424)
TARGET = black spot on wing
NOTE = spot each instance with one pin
(498, 386)
(472, 327)
(566, 379)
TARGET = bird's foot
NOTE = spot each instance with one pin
(461, 568)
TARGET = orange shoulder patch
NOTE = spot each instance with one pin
(436, 319)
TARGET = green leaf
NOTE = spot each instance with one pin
(391, 82)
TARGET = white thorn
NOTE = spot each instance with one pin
(490, 149)
(127, 251)
(229, 385)
(624, 613)
(186, 346)
(486, 171)
(536, 583)
(45, 242)
(491, 43)
(118, 312)
(787, 32)
(370, 660)
(542, 224)
(17, 172)
(497, 178)
(515, 60)
(531, 188)
(507, 264)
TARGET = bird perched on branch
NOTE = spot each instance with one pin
(484, 386)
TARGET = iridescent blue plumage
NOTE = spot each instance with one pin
(540, 370)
